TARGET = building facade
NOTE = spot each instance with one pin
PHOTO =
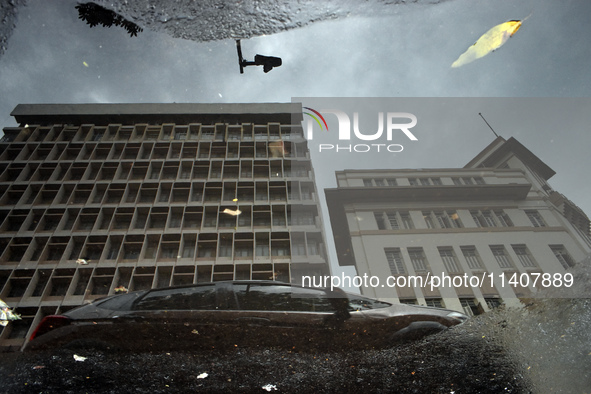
(96, 199)
(497, 218)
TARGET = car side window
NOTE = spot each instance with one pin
(184, 298)
(359, 303)
(263, 297)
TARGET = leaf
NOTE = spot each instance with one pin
(232, 212)
(79, 358)
(488, 42)
(6, 314)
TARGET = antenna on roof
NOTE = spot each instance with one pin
(496, 135)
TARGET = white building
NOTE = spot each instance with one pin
(494, 219)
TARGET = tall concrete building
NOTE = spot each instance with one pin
(497, 218)
(96, 199)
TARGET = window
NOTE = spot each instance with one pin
(391, 182)
(242, 250)
(481, 220)
(188, 249)
(131, 252)
(305, 218)
(380, 220)
(281, 298)
(393, 220)
(503, 219)
(395, 262)
(313, 248)
(562, 255)
(493, 303)
(367, 182)
(359, 303)
(114, 250)
(449, 259)
(467, 180)
(298, 249)
(205, 251)
(523, 255)
(280, 249)
(487, 218)
(406, 220)
(262, 250)
(187, 298)
(418, 259)
(535, 218)
(442, 219)
(470, 306)
(225, 246)
(472, 257)
(434, 302)
(501, 256)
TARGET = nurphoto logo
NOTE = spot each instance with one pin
(395, 124)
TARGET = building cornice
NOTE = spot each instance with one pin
(183, 113)
(498, 151)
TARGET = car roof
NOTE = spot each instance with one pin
(226, 283)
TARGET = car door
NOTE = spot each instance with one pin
(275, 314)
(176, 318)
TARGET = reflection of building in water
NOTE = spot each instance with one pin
(494, 218)
(96, 199)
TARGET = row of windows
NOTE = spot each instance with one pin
(422, 181)
(54, 284)
(154, 170)
(153, 193)
(139, 132)
(490, 218)
(419, 262)
(155, 218)
(151, 151)
(393, 220)
(155, 247)
(401, 220)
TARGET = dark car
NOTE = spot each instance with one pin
(241, 313)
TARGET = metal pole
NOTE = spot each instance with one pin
(496, 135)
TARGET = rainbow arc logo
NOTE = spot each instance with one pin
(316, 118)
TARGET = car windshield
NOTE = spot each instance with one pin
(119, 302)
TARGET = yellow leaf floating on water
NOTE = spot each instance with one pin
(85, 64)
(488, 42)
